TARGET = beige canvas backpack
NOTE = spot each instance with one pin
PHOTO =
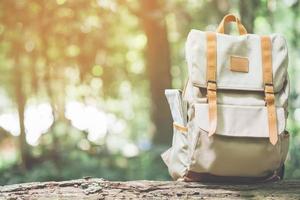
(230, 120)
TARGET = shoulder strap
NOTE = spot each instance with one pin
(266, 48)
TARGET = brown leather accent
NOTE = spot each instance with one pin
(212, 107)
(211, 40)
(231, 18)
(210, 178)
(269, 89)
(239, 64)
(266, 47)
(180, 128)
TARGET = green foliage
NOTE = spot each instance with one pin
(78, 164)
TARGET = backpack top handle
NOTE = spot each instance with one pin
(231, 18)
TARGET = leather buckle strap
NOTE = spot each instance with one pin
(212, 85)
(269, 98)
(266, 47)
(272, 117)
(180, 128)
(211, 81)
(269, 94)
(269, 88)
(212, 106)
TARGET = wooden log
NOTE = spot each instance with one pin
(92, 189)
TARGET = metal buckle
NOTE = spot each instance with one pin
(212, 85)
(269, 93)
(269, 88)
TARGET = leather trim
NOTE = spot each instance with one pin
(239, 64)
(210, 178)
(211, 81)
(266, 46)
(180, 128)
(212, 108)
(231, 18)
(211, 40)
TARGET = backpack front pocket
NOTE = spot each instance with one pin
(240, 146)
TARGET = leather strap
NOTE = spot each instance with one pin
(180, 128)
(211, 81)
(231, 18)
(266, 47)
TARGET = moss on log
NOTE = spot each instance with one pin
(92, 189)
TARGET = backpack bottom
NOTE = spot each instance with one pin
(210, 178)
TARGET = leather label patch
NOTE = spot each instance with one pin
(239, 64)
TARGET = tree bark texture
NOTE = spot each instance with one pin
(92, 189)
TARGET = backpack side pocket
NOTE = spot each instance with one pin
(176, 157)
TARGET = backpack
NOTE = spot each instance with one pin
(230, 120)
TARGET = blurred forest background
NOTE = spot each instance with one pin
(82, 82)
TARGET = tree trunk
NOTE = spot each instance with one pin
(158, 67)
(21, 101)
(92, 189)
(248, 13)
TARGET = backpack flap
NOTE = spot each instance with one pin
(239, 61)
